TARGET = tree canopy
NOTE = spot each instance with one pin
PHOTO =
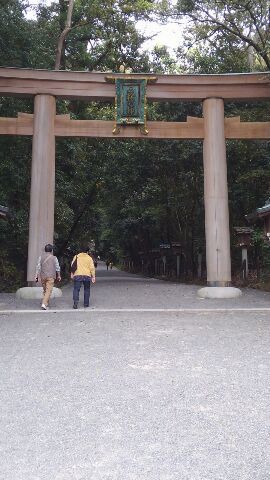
(212, 25)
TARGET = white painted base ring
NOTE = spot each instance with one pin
(219, 292)
(36, 293)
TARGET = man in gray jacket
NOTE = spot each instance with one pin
(47, 271)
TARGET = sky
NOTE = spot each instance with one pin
(164, 34)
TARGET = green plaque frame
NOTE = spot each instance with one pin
(130, 101)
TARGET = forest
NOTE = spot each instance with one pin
(130, 196)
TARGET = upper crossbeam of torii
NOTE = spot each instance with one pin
(92, 86)
(212, 90)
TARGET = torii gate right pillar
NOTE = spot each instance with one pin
(217, 231)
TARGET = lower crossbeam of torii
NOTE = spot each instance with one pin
(213, 129)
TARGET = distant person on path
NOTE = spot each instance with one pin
(47, 271)
(111, 265)
(84, 273)
(107, 264)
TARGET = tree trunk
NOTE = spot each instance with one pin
(60, 44)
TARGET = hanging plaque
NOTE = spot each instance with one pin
(130, 102)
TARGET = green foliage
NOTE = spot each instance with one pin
(162, 62)
(10, 277)
(261, 251)
(224, 27)
(102, 35)
(15, 43)
(15, 161)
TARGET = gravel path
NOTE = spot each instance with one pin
(91, 395)
(116, 289)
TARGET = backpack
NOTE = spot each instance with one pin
(74, 265)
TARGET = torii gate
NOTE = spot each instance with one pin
(44, 125)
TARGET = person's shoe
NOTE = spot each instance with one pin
(43, 306)
(75, 305)
(86, 306)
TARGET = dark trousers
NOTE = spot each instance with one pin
(76, 291)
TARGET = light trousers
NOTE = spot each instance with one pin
(47, 284)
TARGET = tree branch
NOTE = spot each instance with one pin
(60, 44)
(237, 34)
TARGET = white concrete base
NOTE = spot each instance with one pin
(36, 293)
(219, 292)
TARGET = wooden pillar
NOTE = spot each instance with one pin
(218, 258)
(244, 263)
(164, 265)
(199, 272)
(41, 221)
(178, 266)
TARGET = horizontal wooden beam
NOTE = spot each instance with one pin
(235, 129)
(65, 127)
(93, 85)
(193, 128)
(23, 125)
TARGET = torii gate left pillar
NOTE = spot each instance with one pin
(41, 222)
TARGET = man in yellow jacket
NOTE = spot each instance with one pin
(84, 273)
